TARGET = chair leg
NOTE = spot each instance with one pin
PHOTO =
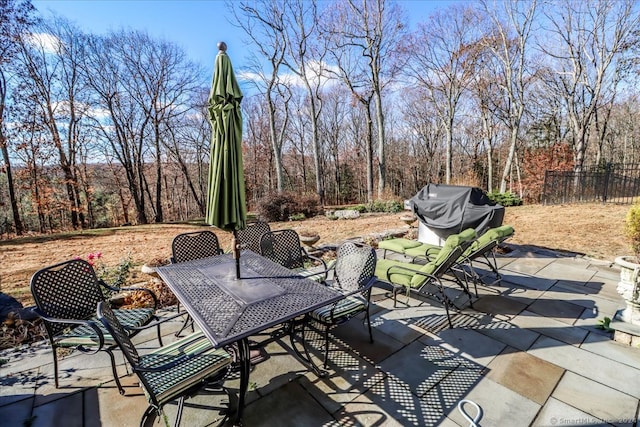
(179, 414)
(55, 365)
(146, 415)
(159, 334)
(188, 320)
(115, 372)
(326, 345)
(369, 325)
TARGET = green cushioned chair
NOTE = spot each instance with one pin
(430, 251)
(354, 274)
(172, 372)
(483, 249)
(66, 296)
(479, 250)
(426, 280)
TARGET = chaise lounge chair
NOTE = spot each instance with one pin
(425, 281)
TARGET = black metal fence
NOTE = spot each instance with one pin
(612, 183)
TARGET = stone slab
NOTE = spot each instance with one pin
(550, 327)
(500, 406)
(556, 413)
(287, 405)
(525, 374)
(601, 369)
(598, 400)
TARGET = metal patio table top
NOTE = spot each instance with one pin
(230, 310)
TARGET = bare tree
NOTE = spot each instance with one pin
(16, 16)
(263, 22)
(590, 38)
(508, 40)
(366, 42)
(52, 63)
(162, 82)
(442, 63)
(305, 58)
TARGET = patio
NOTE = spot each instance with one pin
(529, 354)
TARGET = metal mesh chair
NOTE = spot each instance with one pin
(249, 237)
(171, 372)
(354, 275)
(195, 245)
(283, 247)
(66, 296)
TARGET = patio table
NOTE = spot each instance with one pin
(229, 310)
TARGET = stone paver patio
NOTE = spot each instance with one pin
(529, 353)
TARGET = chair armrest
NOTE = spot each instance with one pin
(410, 271)
(324, 270)
(156, 322)
(89, 323)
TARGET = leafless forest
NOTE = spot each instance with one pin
(343, 99)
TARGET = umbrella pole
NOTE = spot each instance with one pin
(236, 252)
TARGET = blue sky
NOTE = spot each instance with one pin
(196, 25)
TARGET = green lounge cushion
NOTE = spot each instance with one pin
(402, 274)
(396, 272)
(399, 245)
(452, 242)
(197, 358)
(489, 236)
(424, 250)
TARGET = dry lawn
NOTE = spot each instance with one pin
(594, 230)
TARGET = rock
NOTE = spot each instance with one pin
(346, 214)
(8, 304)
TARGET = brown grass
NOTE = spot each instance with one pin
(594, 230)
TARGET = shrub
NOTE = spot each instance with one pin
(632, 227)
(360, 208)
(309, 205)
(505, 199)
(278, 207)
(390, 206)
(285, 206)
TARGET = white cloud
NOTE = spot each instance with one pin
(46, 42)
(317, 72)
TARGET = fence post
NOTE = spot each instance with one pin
(544, 188)
(605, 184)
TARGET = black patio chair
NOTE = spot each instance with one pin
(354, 275)
(194, 245)
(66, 296)
(249, 237)
(283, 247)
(172, 372)
(190, 246)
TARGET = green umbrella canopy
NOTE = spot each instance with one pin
(226, 204)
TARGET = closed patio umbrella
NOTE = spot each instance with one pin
(226, 204)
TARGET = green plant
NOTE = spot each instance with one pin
(632, 227)
(114, 276)
(505, 199)
(360, 208)
(297, 217)
(390, 206)
(605, 324)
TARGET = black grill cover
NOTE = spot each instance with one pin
(449, 209)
